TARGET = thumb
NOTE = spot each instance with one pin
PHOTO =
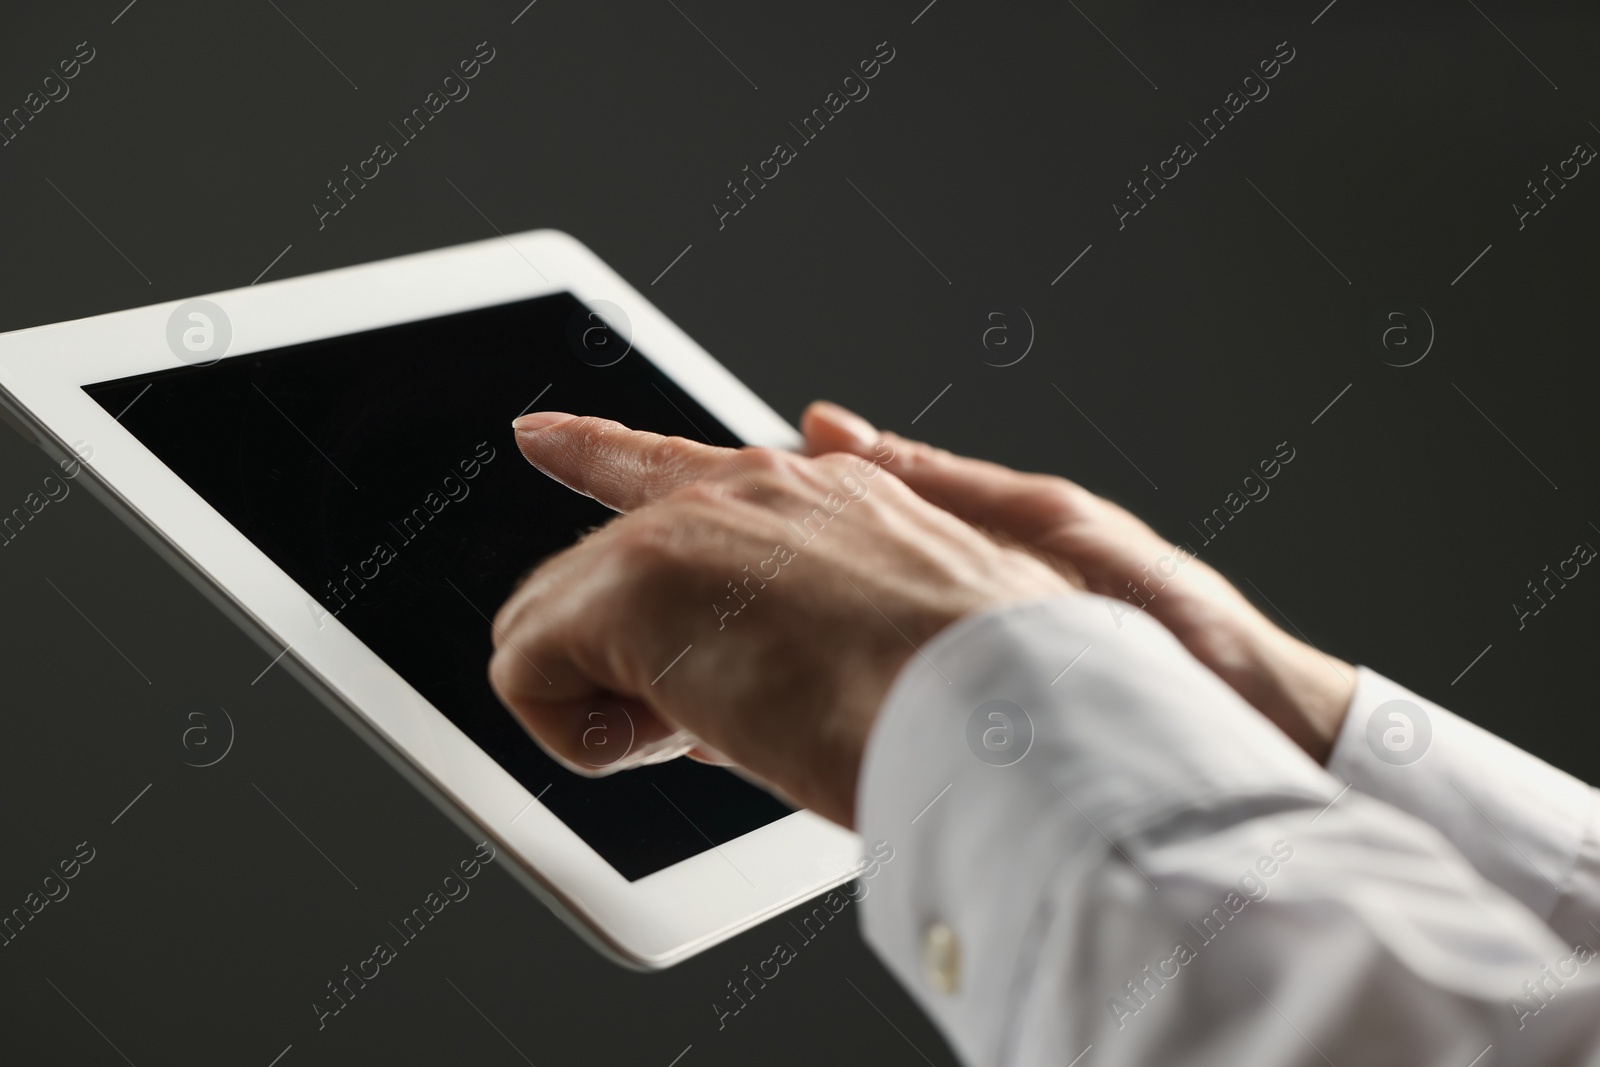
(982, 493)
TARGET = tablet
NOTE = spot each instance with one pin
(331, 458)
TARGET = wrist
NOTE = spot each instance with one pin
(1302, 690)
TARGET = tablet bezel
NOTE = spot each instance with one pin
(653, 922)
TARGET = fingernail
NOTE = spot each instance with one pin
(604, 733)
(706, 754)
(668, 748)
(659, 751)
(847, 421)
(538, 420)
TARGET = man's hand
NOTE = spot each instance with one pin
(759, 600)
(1297, 687)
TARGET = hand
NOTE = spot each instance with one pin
(760, 600)
(1295, 686)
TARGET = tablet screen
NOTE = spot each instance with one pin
(378, 470)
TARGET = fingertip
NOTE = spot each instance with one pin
(545, 439)
(620, 467)
(597, 736)
(539, 420)
(704, 753)
(831, 428)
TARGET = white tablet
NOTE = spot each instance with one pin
(331, 455)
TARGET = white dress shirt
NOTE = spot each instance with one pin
(1130, 865)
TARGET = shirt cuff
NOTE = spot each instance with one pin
(1012, 753)
(1521, 822)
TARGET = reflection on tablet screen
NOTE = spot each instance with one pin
(378, 471)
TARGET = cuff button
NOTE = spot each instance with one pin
(941, 957)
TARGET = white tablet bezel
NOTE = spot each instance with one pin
(653, 922)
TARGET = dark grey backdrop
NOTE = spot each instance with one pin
(1224, 318)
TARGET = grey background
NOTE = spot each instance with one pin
(984, 161)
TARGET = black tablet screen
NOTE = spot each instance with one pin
(378, 470)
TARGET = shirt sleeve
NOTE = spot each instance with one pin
(1526, 826)
(1097, 849)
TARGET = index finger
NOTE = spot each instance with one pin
(621, 468)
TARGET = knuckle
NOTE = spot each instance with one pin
(703, 495)
(663, 457)
(838, 463)
(755, 460)
(1063, 497)
(894, 448)
(505, 674)
(588, 427)
(503, 616)
(650, 539)
(650, 562)
(1061, 492)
